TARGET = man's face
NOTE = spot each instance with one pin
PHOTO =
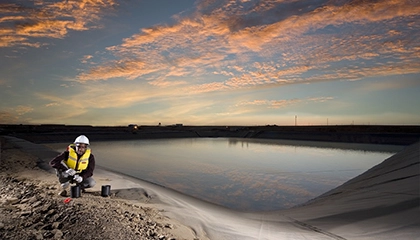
(81, 148)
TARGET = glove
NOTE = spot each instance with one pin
(70, 172)
(78, 178)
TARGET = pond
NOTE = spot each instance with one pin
(241, 174)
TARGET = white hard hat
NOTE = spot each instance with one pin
(82, 139)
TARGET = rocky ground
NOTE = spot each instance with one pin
(30, 208)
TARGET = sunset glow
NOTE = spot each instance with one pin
(108, 62)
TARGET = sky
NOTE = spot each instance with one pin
(211, 62)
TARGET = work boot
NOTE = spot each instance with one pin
(63, 193)
(64, 186)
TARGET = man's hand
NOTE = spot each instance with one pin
(78, 178)
(70, 172)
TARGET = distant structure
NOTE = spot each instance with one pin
(133, 128)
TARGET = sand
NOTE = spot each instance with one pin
(382, 203)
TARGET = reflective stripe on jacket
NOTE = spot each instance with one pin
(73, 162)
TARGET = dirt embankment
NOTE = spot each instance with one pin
(375, 134)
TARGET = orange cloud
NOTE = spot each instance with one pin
(271, 103)
(86, 58)
(163, 83)
(320, 99)
(123, 69)
(21, 24)
(207, 87)
(16, 114)
(283, 103)
(223, 37)
(9, 117)
(21, 110)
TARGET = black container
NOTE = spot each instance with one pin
(75, 191)
(105, 190)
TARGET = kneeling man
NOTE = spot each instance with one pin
(75, 165)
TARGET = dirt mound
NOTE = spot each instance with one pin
(32, 209)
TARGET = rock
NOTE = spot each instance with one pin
(57, 225)
(161, 237)
(45, 208)
(25, 213)
(51, 212)
(37, 225)
(58, 234)
(12, 200)
(32, 199)
(151, 233)
(38, 236)
(48, 234)
(47, 227)
(36, 204)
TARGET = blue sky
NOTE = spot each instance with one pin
(105, 62)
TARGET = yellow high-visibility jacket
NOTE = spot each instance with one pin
(77, 164)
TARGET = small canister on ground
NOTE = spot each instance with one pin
(75, 191)
(106, 190)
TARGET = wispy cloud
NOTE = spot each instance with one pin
(293, 42)
(16, 114)
(283, 103)
(9, 117)
(99, 96)
(26, 24)
(86, 58)
(121, 69)
(389, 85)
(21, 110)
